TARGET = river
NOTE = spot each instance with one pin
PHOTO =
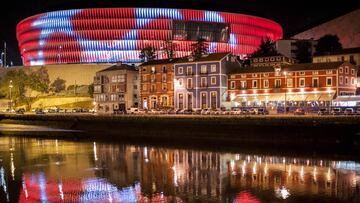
(52, 170)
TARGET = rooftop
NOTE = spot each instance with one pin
(120, 67)
(208, 57)
(160, 61)
(293, 67)
(343, 51)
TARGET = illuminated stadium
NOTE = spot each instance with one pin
(118, 34)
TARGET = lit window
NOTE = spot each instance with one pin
(243, 85)
(189, 70)
(144, 78)
(277, 83)
(266, 83)
(302, 73)
(213, 68)
(144, 87)
(213, 80)
(289, 82)
(266, 74)
(163, 77)
(153, 69)
(203, 69)
(315, 72)
(329, 72)
(203, 82)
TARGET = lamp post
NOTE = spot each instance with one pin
(285, 91)
(10, 87)
(2, 59)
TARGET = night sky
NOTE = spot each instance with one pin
(294, 17)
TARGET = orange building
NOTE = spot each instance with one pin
(157, 84)
(314, 84)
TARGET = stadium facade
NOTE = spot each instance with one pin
(118, 34)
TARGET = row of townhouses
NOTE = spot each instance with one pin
(218, 81)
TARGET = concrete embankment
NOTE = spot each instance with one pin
(314, 132)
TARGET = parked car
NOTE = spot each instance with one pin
(336, 111)
(349, 111)
(188, 111)
(20, 111)
(299, 111)
(205, 111)
(323, 111)
(357, 111)
(132, 110)
(245, 112)
(39, 111)
(262, 111)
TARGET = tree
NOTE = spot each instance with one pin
(266, 48)
(328, 43)
(169, 48)
(39, 80)
(58, 85)
(91, 90)
(199, 48)
(19, 82)
(147, 54)
(303, 51)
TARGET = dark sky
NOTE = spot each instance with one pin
(294, 16)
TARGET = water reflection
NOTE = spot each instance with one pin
(33, 170)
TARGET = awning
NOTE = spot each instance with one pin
(289, 97)
(348, 98)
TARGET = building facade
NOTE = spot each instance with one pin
(292, 85)
(111, 35)
(351, 55)
(202, 83)
(157, 84)
(288, 48)
(116, 88)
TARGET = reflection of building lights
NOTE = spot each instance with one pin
(307, 162)
(243, 91)
(61, 191)
(56, 146)
(95, 154)
(237, 157)
(232, 165)
(248, 159)
(302, 173)
(284, 160)
(302, 90)
(243, 168)
(254, 169)
(289, 170)
(146, 155)
(315, 174)
(12, 166)
(3, 183)
(328, 175)
(282, 193)
(265, 168)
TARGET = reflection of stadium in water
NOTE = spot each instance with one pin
(81, 171)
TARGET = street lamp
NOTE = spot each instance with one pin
(2, 59)
(285, 91)
(10, 87)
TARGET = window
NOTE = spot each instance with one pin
(203, 69)
(302, 73)
(135, 96)
(189, 70)
(152, 78)
(144, 69)
(302, 82)
(340, 80)
(342, 58)
(352, 81)
(243, 85)
(254, 84)
(277, 73)
(340, 70)
(164, 86)
(266, 83)
(315, 82)
(180, 71)
(213, 68)
(254, 75)
(277, 83)
(315, 72)
(181, 82)
(135, 87)
(232, 85)
(203, 82)
(346, 69)
(352, 71)
(164, 69)
(144, 78)
(243, 75)
(189, 83)
(163, 77)
(329, 72)
(346, 80)
(213, 80)
(352, 59)
(153, 69)
(213, 100)
(153, 88)
(181, 101)
(328, 81)
(266, 74)
(203, 100)
(289, 82)
(144, 87)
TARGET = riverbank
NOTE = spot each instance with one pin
(284, 131)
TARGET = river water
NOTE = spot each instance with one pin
(50, 170)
